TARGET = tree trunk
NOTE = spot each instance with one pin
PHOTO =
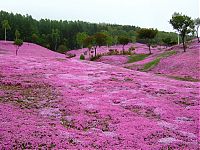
(89, 53)
(183, 39)
(198, 35)
(149, 49)
(5, 34)
(55, 45)
(123, 49)
(17, 50)
(95, 51)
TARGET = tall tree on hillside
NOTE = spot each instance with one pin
(17, 34)
(18, 43)
(197, 24)
(55, 37)
(89, 42)
(99, 40)
(80, 37)
(147, 35)
(183, 24)
(124, 41)
(6, 26)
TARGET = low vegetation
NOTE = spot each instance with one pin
(150, 65)
(137, 57)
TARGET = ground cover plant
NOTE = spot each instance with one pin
(91, 105)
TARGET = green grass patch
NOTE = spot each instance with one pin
(167, 54)
(185, 78)
(138, 57)
(150, 65)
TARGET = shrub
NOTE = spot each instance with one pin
(82, 57)
(95, 57)
(62, 49)
(113, 52)
(69, 55)
(132, 48)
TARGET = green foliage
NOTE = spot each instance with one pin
(68, 30)
(123, 40)
(35, 38)
(168, 41)
(183, 24)
(80, 37)
(17, 34)
(89, 42)
(55, 37)
(147, 35)
(100, 39)
(82, 57)
(197, 24)
(150, 65)
(167, 54)
(187, 78)
(18, 43)
(113, 52)
(62, 49)
(95, 57)
(5, 24)
(138, 57)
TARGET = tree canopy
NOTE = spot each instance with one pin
(183, 24)
(147, 35)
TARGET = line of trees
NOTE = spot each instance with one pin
(64, 35)
(53, 33)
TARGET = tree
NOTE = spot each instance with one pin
(17, 34)
(88, 42)
(18, 43)
(147, 35)
(183, 24)
(55, 37)
(168, 41)
(80, 37)
(62, 49)
(197, 24)
(6, 26)
(99, 40)
(124, 41)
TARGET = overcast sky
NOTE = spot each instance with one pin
(143, 13)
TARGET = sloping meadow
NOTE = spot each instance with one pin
(57, 103)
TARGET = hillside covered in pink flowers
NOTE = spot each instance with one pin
(48, 101)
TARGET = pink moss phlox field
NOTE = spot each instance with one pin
(183, 64)
(114, 60)
(50, 102)
(139, 49)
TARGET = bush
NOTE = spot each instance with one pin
(125, 53)
(62, 49)
(82, 57)
(69, 55)
(132, 48)
(113, 52)
(95, 57)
